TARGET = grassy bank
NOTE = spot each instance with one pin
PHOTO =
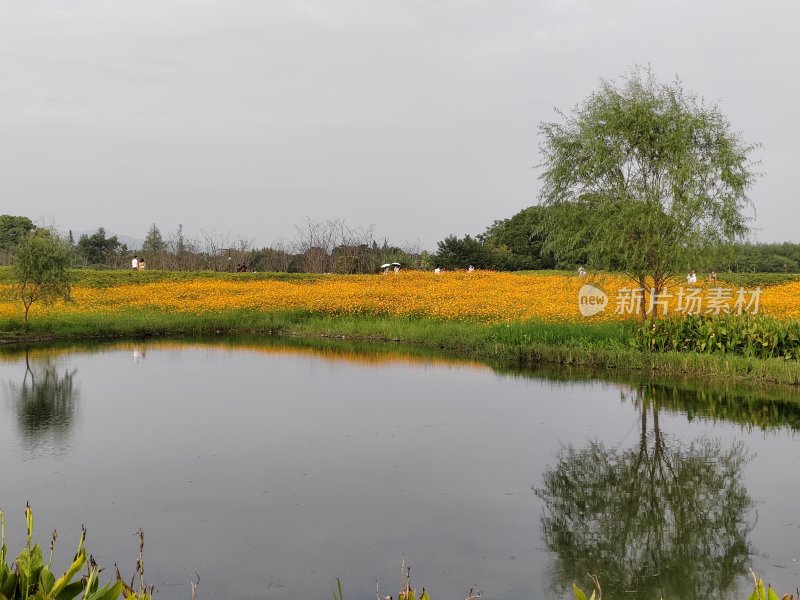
(602, 346)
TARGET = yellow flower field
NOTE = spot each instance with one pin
(485, 296)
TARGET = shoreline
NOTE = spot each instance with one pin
(600, 347)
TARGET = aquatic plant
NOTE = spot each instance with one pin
(30, 577)
(746, 335)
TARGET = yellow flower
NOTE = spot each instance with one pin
(484, 296)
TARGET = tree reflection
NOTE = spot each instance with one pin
(45, 402)
(660, 519)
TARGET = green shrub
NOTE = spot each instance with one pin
(746, 335)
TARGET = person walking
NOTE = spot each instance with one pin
(135, 263)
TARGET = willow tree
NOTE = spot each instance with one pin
(644, 178)
(41, 263)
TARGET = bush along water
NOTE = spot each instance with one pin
(30, 577)
(746, 335)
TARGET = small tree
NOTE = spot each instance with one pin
(154, 242)
(644, 178)
(41, 263)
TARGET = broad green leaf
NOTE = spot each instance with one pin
(771, 595)
(579, 595)
(70, 591)
(758, 593)
(47, 579)
(66, 578)
(107, 593)
(762, 593)
(9, 585)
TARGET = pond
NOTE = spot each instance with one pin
(272, 468)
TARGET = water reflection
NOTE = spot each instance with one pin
(333, 349)
(45, 403)
(317, 462)
(660, 519)
(750, 404)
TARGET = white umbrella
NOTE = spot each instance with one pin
(386, 266)
(395, 264)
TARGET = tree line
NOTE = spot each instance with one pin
(521, 243)
(517, 243)
(317, 247)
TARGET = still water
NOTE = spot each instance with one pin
(271, 470)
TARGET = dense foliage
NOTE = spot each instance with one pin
(519, 243)
(12, 230)
(750, 336)
(759, 258)
(513, 244)
(98, 249)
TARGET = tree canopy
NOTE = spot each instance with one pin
(153, 242)
(644, 177)
(13, 229)
(97, 248)
(517, 243)
(455, 253)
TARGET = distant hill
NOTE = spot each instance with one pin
(131, 242)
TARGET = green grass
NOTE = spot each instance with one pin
(109, 278)
(751, 280)
(600, 346)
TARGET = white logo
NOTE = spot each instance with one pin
(591, 300)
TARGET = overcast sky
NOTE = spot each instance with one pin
(245, 117)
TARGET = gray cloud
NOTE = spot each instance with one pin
(417, 116)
